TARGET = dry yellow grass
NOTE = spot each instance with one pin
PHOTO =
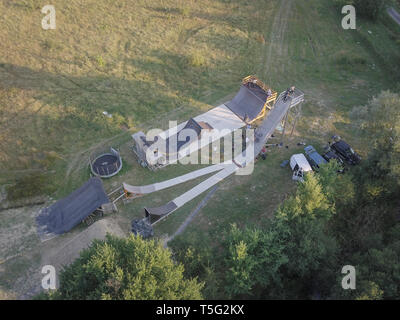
(138, 60)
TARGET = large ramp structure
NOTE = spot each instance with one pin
(66, 213)
(253, 100)
(262, 134)
(166, 147)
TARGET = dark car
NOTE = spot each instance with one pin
(345, 152)
(330, 155)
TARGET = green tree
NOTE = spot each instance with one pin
(309, 202)
(380, 122)
(126, 269)
(200, 262)
(293, 256)
(253, 261)
(312, 257)
(377, 268)
(371, 291)
(311, 250)
(338, 188)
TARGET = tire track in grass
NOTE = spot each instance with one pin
(189, 219)
(276, 48)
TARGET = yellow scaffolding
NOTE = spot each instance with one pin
(269, 104)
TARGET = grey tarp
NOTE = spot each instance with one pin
(66, 213)
(248, 103)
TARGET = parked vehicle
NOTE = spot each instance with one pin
(314, 157)
(300, 166)
(330, 155)
(345, 152)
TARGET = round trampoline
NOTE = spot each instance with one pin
(107, 164)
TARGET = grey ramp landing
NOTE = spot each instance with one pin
(205, 185)
(172, 182)
(157, 213)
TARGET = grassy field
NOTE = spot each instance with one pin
(141, 61)
(148, 62)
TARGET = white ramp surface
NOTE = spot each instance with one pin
(172, 182)
(205, 185)
(220, 118)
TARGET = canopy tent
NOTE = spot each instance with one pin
(66, 213)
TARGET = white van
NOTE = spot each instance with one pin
(300, 166)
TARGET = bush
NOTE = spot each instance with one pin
(197, 59)
(125, 269)
(100, 61)
(369, 8)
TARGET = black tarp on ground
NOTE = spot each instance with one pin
(66, 213)
(248, 102)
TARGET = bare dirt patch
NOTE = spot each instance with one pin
(22, 255)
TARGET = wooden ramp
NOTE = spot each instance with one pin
(262, 134)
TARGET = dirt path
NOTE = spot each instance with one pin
(189, 219)
(276, 42)
(63, 251)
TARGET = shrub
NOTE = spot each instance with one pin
(100, 61)
(197, 59)
(125, 269)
